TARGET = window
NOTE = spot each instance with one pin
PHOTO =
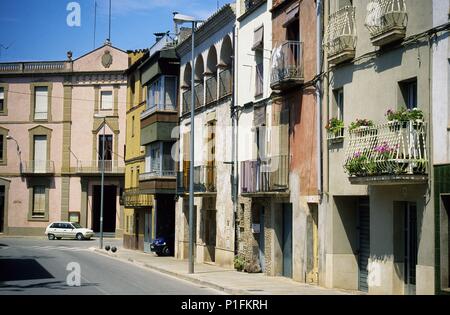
(2, 100)
(39, 201)
(131, 178)
(162, 94)
(107, 154)
(259, 80)
(339, 101)
(2, 148)
(170, 92)
(41, 103)
(409, 93)
(106, 100)
(132, 126)
(40, 154)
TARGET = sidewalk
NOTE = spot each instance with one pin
(226, 280)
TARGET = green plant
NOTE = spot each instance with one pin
(404, 114)
(335, 126)
(239, 263)
(360, 123)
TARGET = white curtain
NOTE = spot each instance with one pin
(107, 100)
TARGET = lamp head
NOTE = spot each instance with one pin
(181, 18)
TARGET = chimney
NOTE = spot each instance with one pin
(175, 25)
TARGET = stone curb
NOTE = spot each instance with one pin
(177, 275)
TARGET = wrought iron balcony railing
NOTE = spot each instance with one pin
(386, 20)
(271, 175)
(340, 36)
(134, 198)
(95, 167)
(225, 83)
(287, 65)
(38, 167)
(204, 180)
(249, 5)
(211, 89)
(395, 148)
(199, 95)
(187, 101)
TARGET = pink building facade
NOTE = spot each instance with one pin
(55, 119)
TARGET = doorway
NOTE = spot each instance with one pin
(287, 240)
(313, 245)
(363, 242)
(210, 235)
(410, 245)
(2, 209)
(148, 230)
(109, 209)
(261, 241)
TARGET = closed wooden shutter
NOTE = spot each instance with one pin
(41, 103)
(40, 154)
(39, 200)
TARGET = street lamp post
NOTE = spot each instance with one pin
(179, 19)
(103, 179)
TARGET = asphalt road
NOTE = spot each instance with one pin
(38, 266)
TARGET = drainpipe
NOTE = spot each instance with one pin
(235, 162)
(319, 96)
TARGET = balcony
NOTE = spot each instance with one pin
(287, 65)
(225, 83)
(211, 90)
(38, 168)
(265, 177)
(157, 174)
(157, 108)
(387, 21)
(248, 6)
(36, 67)
(389, 154)
(133, 197)
(204, 180)
(340, 36)
(95, 168)
(199, 96)
(187, 101)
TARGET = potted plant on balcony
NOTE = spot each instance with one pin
(359, 126)
(401, 118)
(361, 165)
(335, 128)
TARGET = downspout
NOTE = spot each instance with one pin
(319, 97)
(235, 161)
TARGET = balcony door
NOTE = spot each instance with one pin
(40, 154)
(105, 155)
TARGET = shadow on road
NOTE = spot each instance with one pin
(52, 285)
(22, 269)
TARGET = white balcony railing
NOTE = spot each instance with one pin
(157, 174)
(95, 167)
(340, 36)
(395, 148)
(386, 15)
(39, 167)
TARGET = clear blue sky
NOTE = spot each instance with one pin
(37, 29)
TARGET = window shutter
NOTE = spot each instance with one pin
(107, 100)
(41, 103)
(258, 38)
(170, 93)
(39, 200)
(291, 15)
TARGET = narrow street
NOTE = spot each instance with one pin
(37, 266)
